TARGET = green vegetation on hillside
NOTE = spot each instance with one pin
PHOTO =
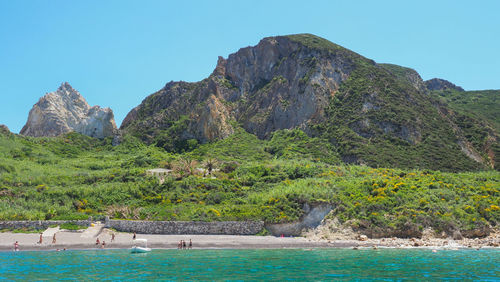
(358, 111)
(476, 114)
(482, 104)
(423, 158)
(372, 118)
(74, 176)
(321, 44)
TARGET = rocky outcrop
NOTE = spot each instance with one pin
(4, 129)
(65, 110)
(441, 84)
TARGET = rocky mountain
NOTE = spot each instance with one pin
(274, 85)
(441, 84)
(65, 110)
(376, 114)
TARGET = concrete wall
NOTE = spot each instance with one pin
(38, 224)
(187, 227)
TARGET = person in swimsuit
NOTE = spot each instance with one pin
(190, 244)
(112, 237)
(97, 242)
(133, 237)
(41, 238)
(54, 239)
(16, 246)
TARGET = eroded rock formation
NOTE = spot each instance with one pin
(65, 110)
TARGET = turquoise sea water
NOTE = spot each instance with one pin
(282, 264)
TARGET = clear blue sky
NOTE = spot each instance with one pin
(118, 52)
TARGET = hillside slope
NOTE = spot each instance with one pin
(375, 114)
(483, 104)
(476, 114)
(74, 176)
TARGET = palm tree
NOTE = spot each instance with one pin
(210, 165)
(185, 166)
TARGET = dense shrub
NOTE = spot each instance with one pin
(273, 186)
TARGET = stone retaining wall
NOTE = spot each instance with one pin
(38, 224)
(187, 227)
(153, 227)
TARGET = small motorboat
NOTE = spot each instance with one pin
(140, 249)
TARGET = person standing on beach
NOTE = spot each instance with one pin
(41, 238)
(112, 237)
(54, 239)
(16, 246)
(183, 244)
(103, 244)
(190, 244)
(97, 242)
(133, 237)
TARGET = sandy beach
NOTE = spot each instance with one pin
(72, 240)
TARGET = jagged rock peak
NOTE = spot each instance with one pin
(441, 84)
(65, 86)
(65, 110)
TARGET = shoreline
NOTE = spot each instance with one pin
(262, 248)
(75, 241)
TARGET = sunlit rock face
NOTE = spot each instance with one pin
(277, 84)
(65, 110)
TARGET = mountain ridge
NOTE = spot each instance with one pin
(375, 114)
(369, 113)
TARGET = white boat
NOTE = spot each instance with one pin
(140, 249)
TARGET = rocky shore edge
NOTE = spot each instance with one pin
(429, 239)
(71, 240)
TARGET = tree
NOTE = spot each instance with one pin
(185, 166)
(210, 164)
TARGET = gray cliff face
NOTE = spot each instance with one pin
(282, 84)
(277, 84)
(65, 110)
(441, 84)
